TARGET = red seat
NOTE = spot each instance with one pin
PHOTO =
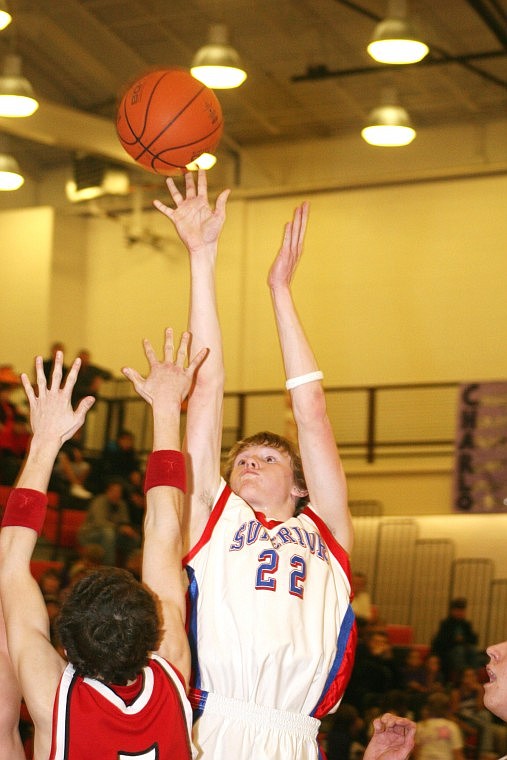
(60, 528)
(399, 635)
(39, 566)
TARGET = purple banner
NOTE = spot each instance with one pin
(480, 473)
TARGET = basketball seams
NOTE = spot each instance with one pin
(173, 119)
(158, 156)
(147, 109)
(165, 142)
(138, 137)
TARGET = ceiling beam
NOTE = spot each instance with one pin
(489, 12)
(322, 72)
(60, 126)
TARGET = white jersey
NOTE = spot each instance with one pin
(271, 629)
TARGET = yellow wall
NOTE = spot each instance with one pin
(26, 253)
(397, 284)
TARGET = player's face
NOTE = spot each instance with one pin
(263, 477)
(495, 690)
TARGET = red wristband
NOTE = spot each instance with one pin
(25, 508)
(165, 468)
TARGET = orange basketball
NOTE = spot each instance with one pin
(167, 118)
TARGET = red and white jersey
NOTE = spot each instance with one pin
(270, 621)
(150, 719)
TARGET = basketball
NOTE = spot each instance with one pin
(167, 118)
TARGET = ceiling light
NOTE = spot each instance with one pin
(217, 64)
(389, 124)
(10, 173)
(5, 16)
(395, 40)
(204, 161)
(16, 93)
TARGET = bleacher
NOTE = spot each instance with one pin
(412, 579)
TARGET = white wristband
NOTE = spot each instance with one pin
(293, 382)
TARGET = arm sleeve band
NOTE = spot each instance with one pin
(294, 382)
(166, 467)
(25, 508)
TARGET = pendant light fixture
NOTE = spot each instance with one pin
(17, 98)
(5, 16)
(395, 40)
(388, 124)
(217, 64)
(10, 173)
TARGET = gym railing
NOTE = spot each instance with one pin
(371, 423)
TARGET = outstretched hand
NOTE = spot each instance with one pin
(168, 380)
(51, 412)
(393, 738)
(283, 268)
(196, 222)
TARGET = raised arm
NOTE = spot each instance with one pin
(165, 388)
(37, 664)
(199, 227)
(322, 467)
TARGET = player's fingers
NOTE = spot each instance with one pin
(56, 375)
(305, 210)
(221, 201)
(28, 387)
(202, 182)
(71, 378)
(287, 234)
(135, 378)
(173, 189)
(39, 375)
(181, 354)
(149, 352)
(168, 344)
(167, 210)
(189, 185)
(378, 725)
(84, 405)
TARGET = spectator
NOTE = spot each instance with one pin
(437, 736)
(434, 675)
(136, 503)
(361, 600)
(108, 524)
(72, 470)
(413, 671)
(420, 678)
(455, 641)
(47, 364)
(374, 672)
(90, 377)
(345, 740)
(50, 582)
(14, 436)
(120, 459)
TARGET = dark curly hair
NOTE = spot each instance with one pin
(108, 625)
(266, 438)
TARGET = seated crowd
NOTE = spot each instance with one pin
(408, 680)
